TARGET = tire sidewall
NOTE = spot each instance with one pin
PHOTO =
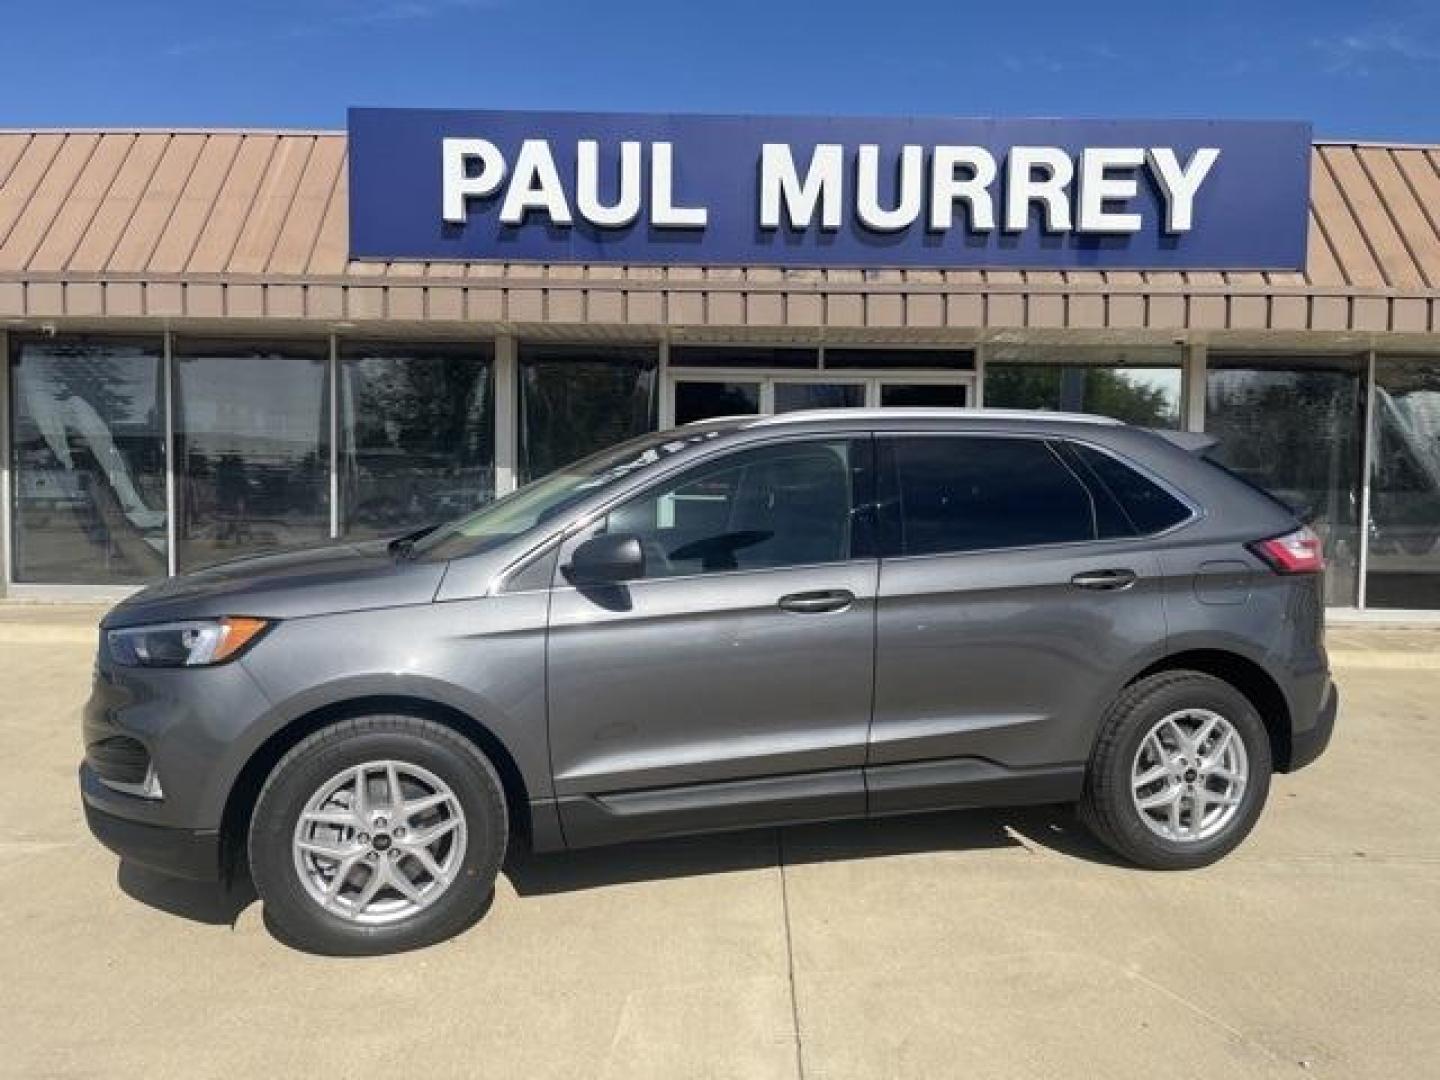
(1194, 692)
(290, 909)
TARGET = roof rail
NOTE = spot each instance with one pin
(902, 413)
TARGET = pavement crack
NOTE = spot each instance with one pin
(789, 955)
(1205, 1014)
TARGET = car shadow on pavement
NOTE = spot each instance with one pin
(1054, 828)
(957, 832)
(199, 901)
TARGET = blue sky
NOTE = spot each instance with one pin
(1363, 70)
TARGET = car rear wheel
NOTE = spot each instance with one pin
(1180, 771)
(377, 834)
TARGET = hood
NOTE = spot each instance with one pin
(288, 585)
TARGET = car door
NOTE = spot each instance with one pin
(731, 683)
(1003, 621)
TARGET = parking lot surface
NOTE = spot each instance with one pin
(981, 944)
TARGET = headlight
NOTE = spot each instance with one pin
(194, 643)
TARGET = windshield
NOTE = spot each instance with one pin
(550, 497)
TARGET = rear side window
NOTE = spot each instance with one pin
(1150, 507)
(945, 494)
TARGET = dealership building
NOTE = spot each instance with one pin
(226, 342)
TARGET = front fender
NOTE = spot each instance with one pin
(484, 658)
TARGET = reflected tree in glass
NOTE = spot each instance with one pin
(417, 436)
(1147, 397)
(575, 400)
(252, 437)
(1295, 429)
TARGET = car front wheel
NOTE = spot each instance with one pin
(377, 834)
(1180, 771)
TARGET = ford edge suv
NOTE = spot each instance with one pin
(749, 621)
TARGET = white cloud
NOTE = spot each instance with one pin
(1382, 45)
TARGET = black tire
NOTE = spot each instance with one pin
(1107, 806)
(296, 917)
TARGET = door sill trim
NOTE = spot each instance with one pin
(715, 806)
(956, 783)
(800, 798)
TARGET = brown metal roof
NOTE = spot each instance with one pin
(253, 225)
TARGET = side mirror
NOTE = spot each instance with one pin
(607, 559)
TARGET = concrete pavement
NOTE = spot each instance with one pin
(980, 944)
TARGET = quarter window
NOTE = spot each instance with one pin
(783, 505)
(1149, 507)
(974, 493)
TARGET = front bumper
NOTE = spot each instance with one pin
(175, 852)
(1309, 744)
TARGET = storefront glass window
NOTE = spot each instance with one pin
(1294, 427)
(743, 356)
(88, 461)
(703, 399)
(1403, 569)
(417, 441)
(252, 448)
(1137, 385)
(575, 400)
(794, 396)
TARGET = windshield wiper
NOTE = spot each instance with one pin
(402, 546)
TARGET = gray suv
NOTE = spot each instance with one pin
(747, 621)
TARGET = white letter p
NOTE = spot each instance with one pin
(455, 155)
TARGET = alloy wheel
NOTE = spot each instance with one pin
(379, 842)
(1188, 779)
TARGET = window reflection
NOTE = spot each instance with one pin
(792, 397)
(786, 505)
(416, 436)
(923, 395)
(575, 400)
(702, 400)
(1404, 561)
(88, 461)
(1294, 428)
(252, 442)
(1139, 385)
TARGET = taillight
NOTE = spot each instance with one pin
(1298, 552)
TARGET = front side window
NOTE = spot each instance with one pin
(951, 494)
(784, 505)
(548, 500)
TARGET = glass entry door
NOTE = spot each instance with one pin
(928, 395)
(792, 395)
(702, 396)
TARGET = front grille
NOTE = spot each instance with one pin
(119, 760)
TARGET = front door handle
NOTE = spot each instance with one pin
(813, 603)
(1104, 580)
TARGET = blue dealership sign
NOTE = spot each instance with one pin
(806, 191)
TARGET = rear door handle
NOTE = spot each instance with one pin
(813, 603)
(1104, 580)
